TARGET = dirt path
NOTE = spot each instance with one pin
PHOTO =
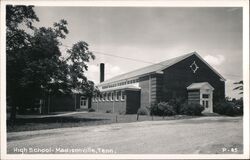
(198, 135)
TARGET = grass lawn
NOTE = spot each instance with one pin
(80, 119)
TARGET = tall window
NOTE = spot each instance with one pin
(107, 97)
(122, 95)
(103, 97)
(111, 96)
(117, 96)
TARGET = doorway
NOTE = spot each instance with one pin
(205, 102)
(202, 93)
(83, 102)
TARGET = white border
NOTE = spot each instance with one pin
(146, 3)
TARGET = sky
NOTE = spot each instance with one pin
(153, 34)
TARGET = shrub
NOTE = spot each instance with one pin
(91, 110)
(191, 109)
(143, 111)
(122, 112)
(166, 108)
(162, 109)
(153, 109)
(225, 107)
(176, 103)
(108, 111)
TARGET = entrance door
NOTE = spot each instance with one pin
(205, 102)
(83, 102)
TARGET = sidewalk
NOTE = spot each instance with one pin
(55, 114)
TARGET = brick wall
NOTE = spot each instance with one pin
(144, 84)
(133, 101)
(129, 105)
(103, 106)
(69, 102)
(156, 88)
(177, 77)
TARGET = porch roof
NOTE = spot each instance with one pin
(200, 85)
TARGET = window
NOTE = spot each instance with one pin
(111, 96)
(122, 95)
(107, 97)
(117, 96)
(205, 95)
(206, 104)
(103, 96)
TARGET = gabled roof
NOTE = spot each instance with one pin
(155, 68)
(200, 85)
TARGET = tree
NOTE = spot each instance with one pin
(16, 40)
(35, 66)
(239, 86)
(16, 15)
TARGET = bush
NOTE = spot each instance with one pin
(122, 112)
(176, 103)
(191, 109)
(108, 111)
(228, 108)
(91, 110)
(162, 109)
(143, 111)
(167, 109)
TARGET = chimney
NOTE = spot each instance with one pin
(102, 69)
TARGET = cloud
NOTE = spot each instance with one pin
(93, 72)
(112, 70)
(215, 60)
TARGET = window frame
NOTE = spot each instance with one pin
(111, 96)
(106, 96)
(103, 97)
(122, 95)
(116, 95)
(205, 96)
